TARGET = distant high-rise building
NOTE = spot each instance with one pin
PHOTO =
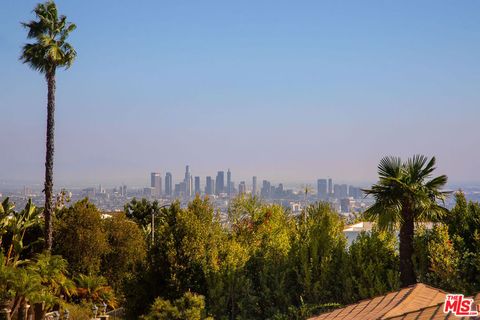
(123, 191)
(322, 188)
(254, 186)
(156, 184)
(346, 205)
(266, 190)
(340, 191)
(209, 186)
(180, 189)
(149, 192)
(330, 186)
(188, 182)
(229, 182)
(168, 184)
(197, 186)
(354, 192)
(220, 182)
(242, 188)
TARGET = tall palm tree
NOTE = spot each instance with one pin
(48, 52)
(406, 194)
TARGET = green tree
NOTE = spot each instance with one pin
(406, 194)
(188, 307)
(80, 237)
(436, 260)
(318, 256)
(372, 265)
(464, 231)
(49, 52)
(185, 251)
(141, 211)
(127, 248)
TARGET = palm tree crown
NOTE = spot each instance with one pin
(405, 186)
(50, 49)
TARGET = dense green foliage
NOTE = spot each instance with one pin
(80, 236)
(261, 263)
(190, 306)
(448, 256)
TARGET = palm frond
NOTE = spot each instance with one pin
(390, 167)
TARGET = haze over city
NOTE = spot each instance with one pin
(274, 89)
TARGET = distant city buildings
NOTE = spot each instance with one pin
(188, 182)
(197, 186)
(220, 183)
(156, 184)
(322, 188)
(340, 191)
(242, 188)
(254, 186)
(168, 184)
(209, 186)
(229, 183)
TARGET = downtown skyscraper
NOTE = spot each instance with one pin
(168, 184)
(220, 182)
(156, 184)
(209, 186)
(197, 186)
(322, 188)
(229, 183)
(188, 182)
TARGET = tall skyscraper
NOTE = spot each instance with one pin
(330, 186)
(340, 191)
(254, 186)
(156, 184)
(354, 192)
(168, 184)
(322, 188)
(197, 186)
(229, 183)
(209, 186)
(188, 182)
(123, 192)
(266, 190)
(220, 182)
(242, 188)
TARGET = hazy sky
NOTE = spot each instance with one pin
(285, 90)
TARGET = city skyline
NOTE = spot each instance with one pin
(178, 176)
(287, 91)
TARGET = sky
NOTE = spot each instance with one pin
(285, 90)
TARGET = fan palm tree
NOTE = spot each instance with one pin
(406, 193)
(49, 51)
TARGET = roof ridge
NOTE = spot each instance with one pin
(419, 286)
(438, 289)
(371, 298)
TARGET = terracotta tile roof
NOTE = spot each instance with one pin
(415, 302)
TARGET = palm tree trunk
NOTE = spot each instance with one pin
(49, 159)
(407, 274)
